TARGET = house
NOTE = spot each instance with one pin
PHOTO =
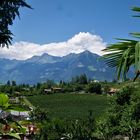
(47, 91)
(53, 90)
(25, 89)
(17, 94)
(112, 91)
(56, 89)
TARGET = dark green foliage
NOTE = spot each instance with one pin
(136, 9)
(11, 87)
(13, 83)
(51, 129)
(71, 106)
(106, 88)
(8, 83)
(122, 117)
(9, 9)
(38, 115)
(124, 96)
(38, 86)
(82, 79)
(94, 88)
(68, 130)
(78, 87)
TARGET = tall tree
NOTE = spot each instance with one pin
(14, 83)
(9, 9)
(8, 83)
(124, 54)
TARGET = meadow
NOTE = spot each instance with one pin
(70, 106)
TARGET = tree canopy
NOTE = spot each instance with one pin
(9, 9)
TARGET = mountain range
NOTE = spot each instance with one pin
(41, 68)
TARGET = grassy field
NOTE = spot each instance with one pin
(70, 106)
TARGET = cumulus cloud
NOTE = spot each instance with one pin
(79, 43)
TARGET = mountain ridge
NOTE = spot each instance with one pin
(41, 68)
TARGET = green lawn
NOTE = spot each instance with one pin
(70, 106)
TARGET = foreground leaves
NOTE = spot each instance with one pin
(125, 54)
(122, 55)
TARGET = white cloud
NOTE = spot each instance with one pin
(79, 43)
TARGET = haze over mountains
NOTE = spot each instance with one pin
(41, 68)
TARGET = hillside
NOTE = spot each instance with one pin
(41, 68)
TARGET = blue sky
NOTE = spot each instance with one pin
(60, 27)
(59, 20)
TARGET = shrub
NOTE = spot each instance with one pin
(94, 88)
(122, 117)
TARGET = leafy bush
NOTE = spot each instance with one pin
(123, 115)
(68, 130)
(38, 115)
(94, 88)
